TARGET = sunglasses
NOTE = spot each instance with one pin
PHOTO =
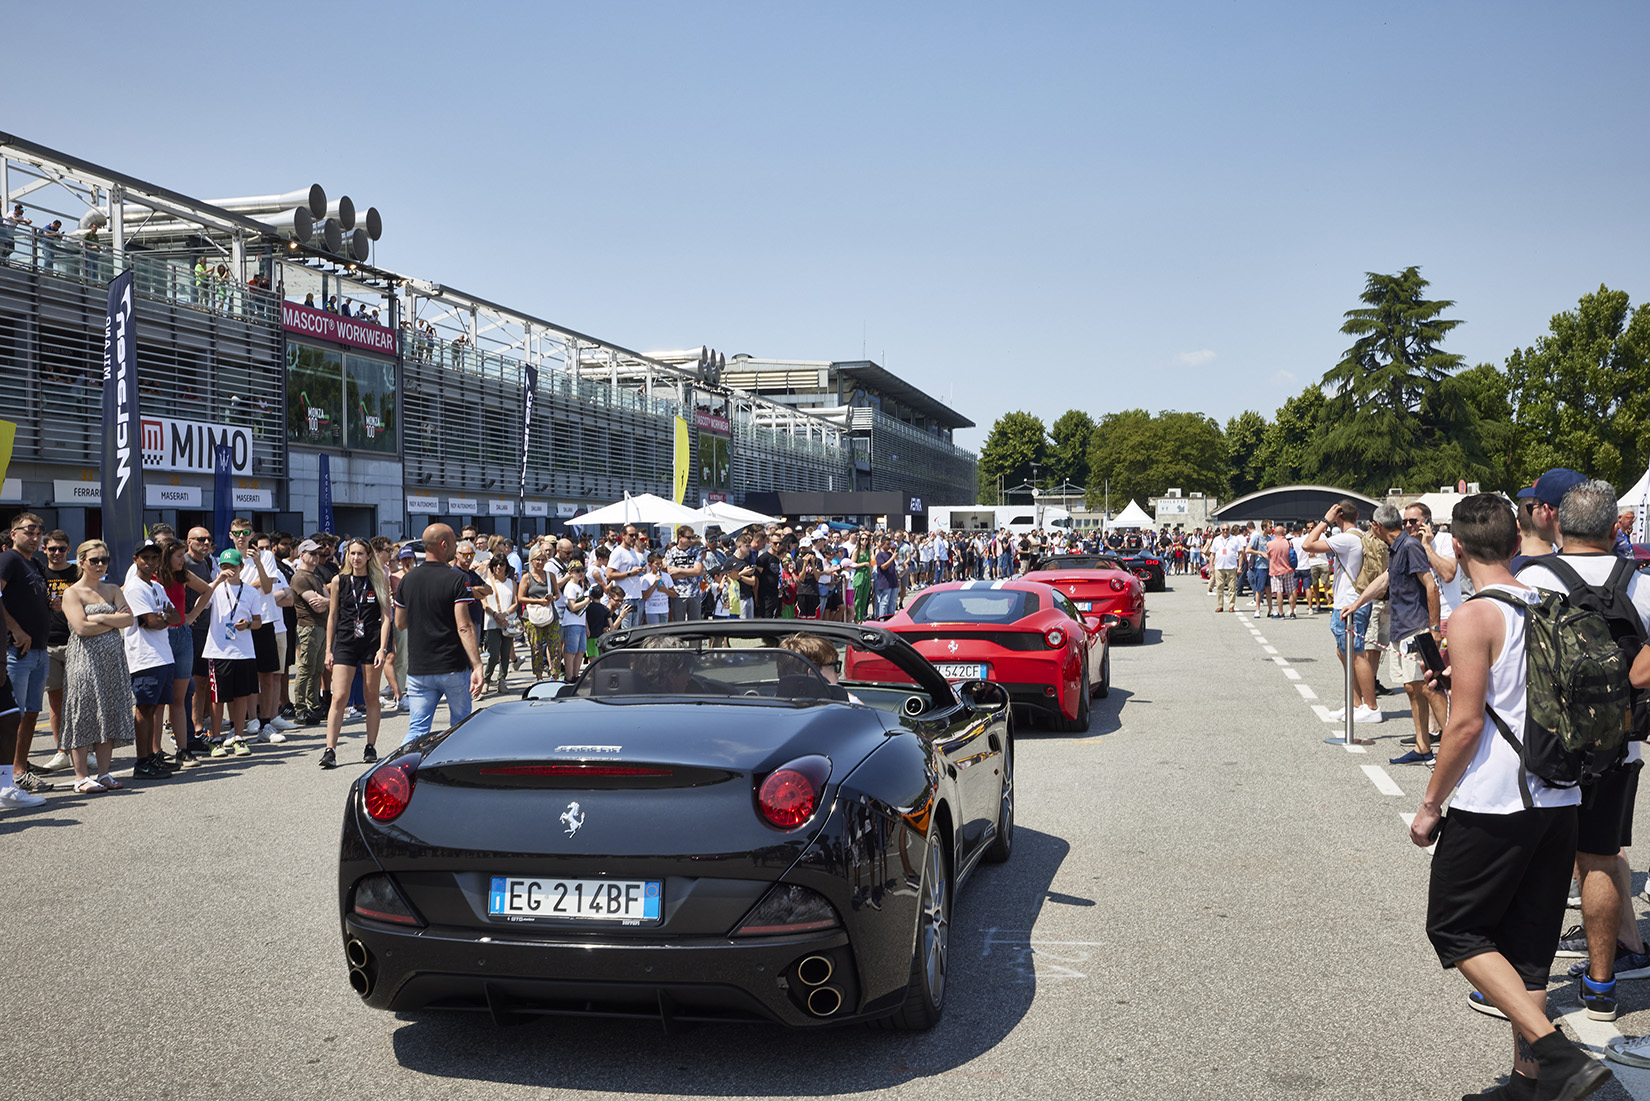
(57, 550)
(102, 560)
(29, 529)
(245, 531)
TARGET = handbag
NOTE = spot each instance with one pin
(540, 615)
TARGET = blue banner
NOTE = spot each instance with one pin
(326, 495)
(223, 498)
(122, 429)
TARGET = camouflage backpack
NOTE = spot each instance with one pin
(1577, 702)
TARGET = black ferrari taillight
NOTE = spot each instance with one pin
(376, 898)
(389, 787)
(790, 794)
(788, 908)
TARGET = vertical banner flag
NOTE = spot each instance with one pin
(529, 390)
(8, 438)
(1641, 522)
(326, 495)
(223, 495)
(684, 462)
(122, 429)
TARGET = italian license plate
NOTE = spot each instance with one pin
(593, 899)
(967, 670)
(1085, 605)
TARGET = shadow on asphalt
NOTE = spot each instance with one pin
(1105, 717)
(992, 986)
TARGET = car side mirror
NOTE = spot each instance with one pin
(982, 695)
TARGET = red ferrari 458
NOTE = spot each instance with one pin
(1025, 636)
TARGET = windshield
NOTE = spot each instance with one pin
(1078, 562)
(671, 671)
(973, 606)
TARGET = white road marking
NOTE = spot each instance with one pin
(1409, 820)
(1354, 748)
(1291, 674)
(1594, 1035)
(1323, 713)
(1306, 691)
(1384, 784)
(1279, 660)
(1258, 639)
(1270, 649)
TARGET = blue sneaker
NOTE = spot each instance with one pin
(1411, 758)
(1629, 964)
(1598, 998)
(1483, 1005)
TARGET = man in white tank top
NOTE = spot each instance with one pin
(1495, 902)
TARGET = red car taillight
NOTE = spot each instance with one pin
(790, 794)
(1118, 585)
(1055, 637)
(389, 787)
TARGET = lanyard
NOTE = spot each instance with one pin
(357, 595)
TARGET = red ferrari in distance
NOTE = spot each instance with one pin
(1027, 637)
(1105, 591)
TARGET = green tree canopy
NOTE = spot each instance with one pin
(1287, 452)
(1068, 459)
(1140, 456)
(1581, 393)
(1013, 445)
(1391, 412)
(1245, 452)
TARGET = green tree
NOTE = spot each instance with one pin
(1245, 452)
(1120, 456)
(1488, 389)
(1390, 413)
(1581, 393)
(1068, 459)
(1286, 454)
(1013, 445)
(1190, 455)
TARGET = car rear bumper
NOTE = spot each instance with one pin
(712, 979)
(1034, 697)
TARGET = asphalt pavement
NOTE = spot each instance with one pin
(1205, 901)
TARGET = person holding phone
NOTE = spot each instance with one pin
(1412, 590)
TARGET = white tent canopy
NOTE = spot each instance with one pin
(1633, 497)
(728, 517)
(1442, 505)
(644, 508)
(1132, 517)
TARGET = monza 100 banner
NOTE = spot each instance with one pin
(122, 429)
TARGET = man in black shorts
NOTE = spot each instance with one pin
(1495, 901)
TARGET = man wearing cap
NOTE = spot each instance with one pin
(149, 655)
(1538, 512)
(237, 611)
(309, 600)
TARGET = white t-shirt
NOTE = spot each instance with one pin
(623, 560)
(1303, 560)
(571, 591)
(1227, 549)
(1349, 549)
(656, 601)
(1449, 592)
(1595, 570)
(146, 648)
(273, 612)
(1490, 784)
(230, 604)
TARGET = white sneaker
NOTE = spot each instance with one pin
(15, 798)
(1257, 614)
(351, 714)
(60, 760)
(281, 724)
(1366, 715)
(272, 734)
(252, 727)
(1338, 714)
(1634, 1052)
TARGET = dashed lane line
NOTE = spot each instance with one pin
(1292, 674)
(1384, 784)
(1270, 649)
(1306, 691)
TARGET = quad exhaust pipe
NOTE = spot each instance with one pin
(815, 971)
(360, 966)
(824, 1000)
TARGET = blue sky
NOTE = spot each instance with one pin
(1038, 206)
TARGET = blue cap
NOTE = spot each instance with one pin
(1551, 487)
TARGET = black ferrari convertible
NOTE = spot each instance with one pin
(705, 826)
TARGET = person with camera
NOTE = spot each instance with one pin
(1409, 585)
(1337, 535)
